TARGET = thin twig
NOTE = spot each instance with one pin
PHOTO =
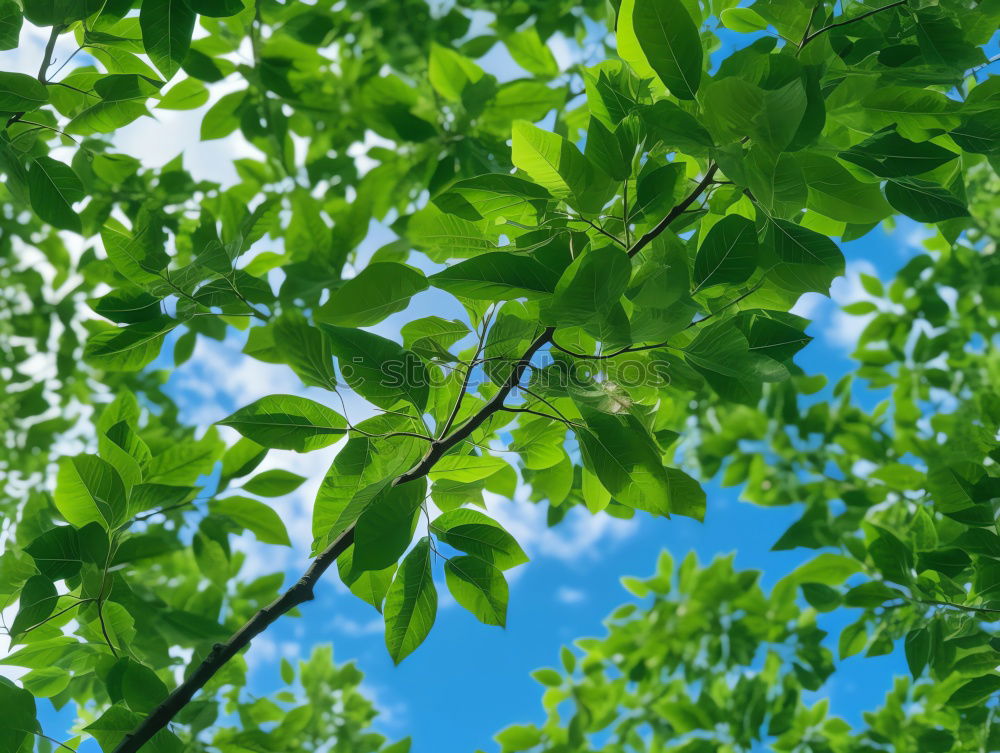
(863, 16)
(674, 213)
(517, 409)
(450, 421)
(43, 69)
(628, 240)
(303, 589)
(600, 230)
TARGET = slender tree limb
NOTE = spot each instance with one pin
(466, 379)
(810, 37)
(531, 411)
(674, 213)
(600, 230)
(43, 69)
(303, 589)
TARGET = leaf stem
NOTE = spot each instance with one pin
(810, 37)
(676, 212)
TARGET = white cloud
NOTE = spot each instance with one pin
(568, 595)
(573, 540)
(843, 329)
(357, 629)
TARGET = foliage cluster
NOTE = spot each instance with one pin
(626, 274)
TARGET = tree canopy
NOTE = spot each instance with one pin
(626, 236)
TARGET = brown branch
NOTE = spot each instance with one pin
(43, 69)
(303, 590)
(674, 213)
(450, 421)
(810, 37)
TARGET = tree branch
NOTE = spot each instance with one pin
(302, 591)
(810, 37)
(43, 69)
(674, 213)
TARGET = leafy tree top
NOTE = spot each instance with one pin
(626, 276)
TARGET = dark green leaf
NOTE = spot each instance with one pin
(288, 422)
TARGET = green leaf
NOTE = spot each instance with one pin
(288, 422)
(361, 469)
(450, 72)
(20, 92)
(411, 603)
(497, 276)
(924, 201)
(676, 127)
(620, 452)
(493, 196)
(447, 236)
(36, 602)
(370, 586)
(479, 535)
(56, 553)
(558, 166)
(975, 691)
(479, 587)
(431, 336)
(548, 677)
(384, 530)
(668, 39)
(216, 8)
(380, 289)
(127, 306)
(803, 259)
(467, 468)
(731, 107)
(827, 569)
(53, 188)
(128, 348)
(743, 20)
(590, 287)
(255, 516)
(274, 483)
(978, 133)
(89, 490)
(139, 256)
(305, 349)
(19, 716)
(531, 53)
(166, 26)
(381, 371)
(917, 646)
(519, 737)
(188, 94)
(834, 192)
(916, 113)
(728, 254)
(776, 181)
(10, 25)
(889, 155)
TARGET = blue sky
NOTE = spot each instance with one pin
(468, 680)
